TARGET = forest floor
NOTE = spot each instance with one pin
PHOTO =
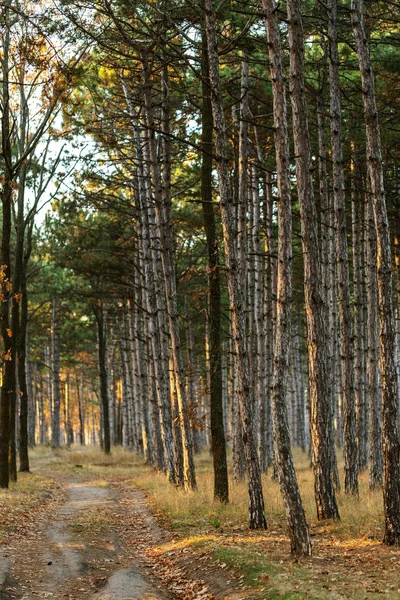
(83, 526)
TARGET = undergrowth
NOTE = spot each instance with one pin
(348, 562)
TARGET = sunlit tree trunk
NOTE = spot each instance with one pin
(161, 190)
(69, 434)
(316, 313)
(80, 394)
(346, 325)
(154, 297)
(357, 215)
(391, 445)
(236, 297)
(298, 528)
(42, 417)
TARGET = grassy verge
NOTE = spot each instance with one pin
(349, 561)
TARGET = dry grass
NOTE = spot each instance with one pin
(17, 504)
(360, 517)
(349, 561)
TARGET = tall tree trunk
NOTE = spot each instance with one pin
(69, 434)
(22, 377)
(55, 358)
(80, 395)
(154, 297)
(164, 224)
(391, 445)
(322, 443)
(49, 385)
(236, 297)
(374, 392)
(358, 268)
(346, 326)
(102, 344)
(42, 417)
(218, 445)
(298, 528)
(8, 380)
(328, 270)
(31, 378)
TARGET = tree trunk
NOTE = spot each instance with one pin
(55, 357)
(22, 377)
(236, 297)
(8, 380)
(374, 392)
(102, 344)
(322, 443)
(358, 268)
(218, 446)
(346, 326)
(391, 445)
(328, 272)
(154, 297)
(298, 528)
(69, 434)
(164, 225)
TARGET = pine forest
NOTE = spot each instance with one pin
(200, 299)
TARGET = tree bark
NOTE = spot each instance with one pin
(154, 297)
(102, 350)
(164, 224)
(218, 445)
(298, 528)
(346, 325)
(391, 445)
(8, 380)
(374, 392)
(316, 314)
(236, 297)
(55, 359)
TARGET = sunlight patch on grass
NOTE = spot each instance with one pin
(258, 560)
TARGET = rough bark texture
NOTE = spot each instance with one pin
(316, 314)
(298, 528)
(328, 273)
(236, 298)
(161, 191)
(8, 381)
(391, 446)
(357, 216)
(154, 297)
(218, 445)
(22, 378)
(102, 343)
(55, 358)
(346, 325)
(374, 393)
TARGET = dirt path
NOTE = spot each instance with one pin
(75, 553)
(102, 543)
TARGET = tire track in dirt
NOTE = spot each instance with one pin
(56, 561)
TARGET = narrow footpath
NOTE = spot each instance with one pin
(101, 543)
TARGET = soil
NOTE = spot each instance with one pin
(101, 542)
